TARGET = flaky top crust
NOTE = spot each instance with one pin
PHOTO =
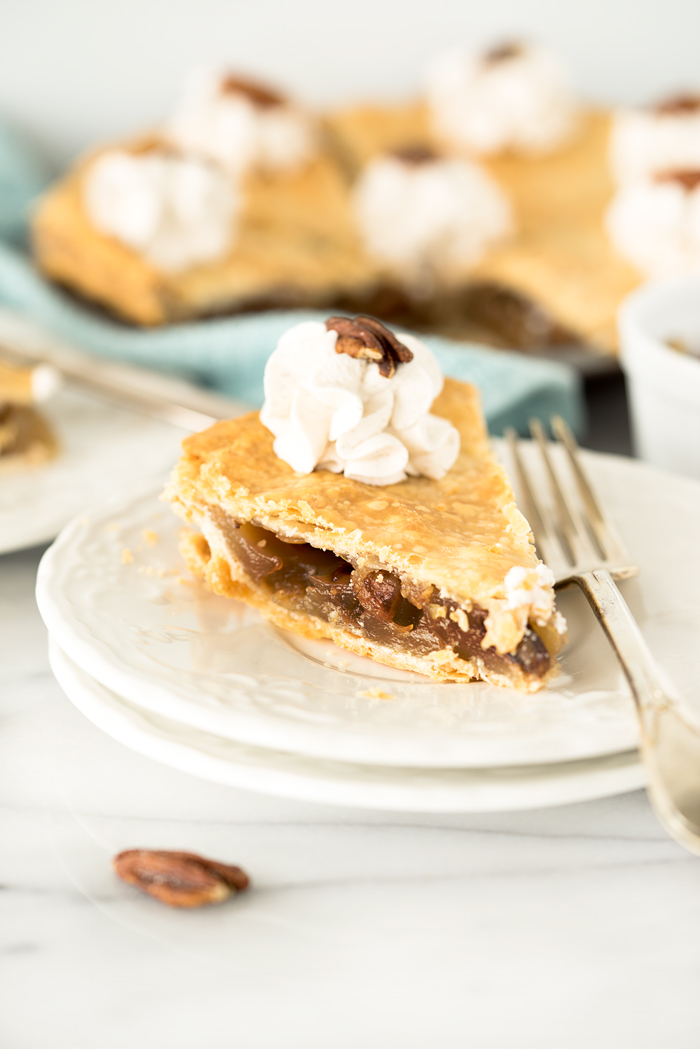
(461, 534)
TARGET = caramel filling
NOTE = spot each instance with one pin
(370, 604)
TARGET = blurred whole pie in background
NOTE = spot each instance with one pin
(491, 206)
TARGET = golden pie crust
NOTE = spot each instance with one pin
(296, 245)
(560, 257)
(458, 536)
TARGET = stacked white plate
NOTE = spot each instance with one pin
(204, 684)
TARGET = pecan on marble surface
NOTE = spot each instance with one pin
(179, 879)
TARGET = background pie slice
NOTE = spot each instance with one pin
(25, 437)
(296, 245)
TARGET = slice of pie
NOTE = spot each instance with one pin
(438, 576)
(294, 245)
(25, 436)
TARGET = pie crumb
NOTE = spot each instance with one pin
(376, 693)
(127, 556)
(150, 536)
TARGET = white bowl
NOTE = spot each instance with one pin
(663, 383)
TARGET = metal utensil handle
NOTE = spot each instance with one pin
(670, 743)
(156, 394)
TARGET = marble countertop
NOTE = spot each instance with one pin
(564, 927)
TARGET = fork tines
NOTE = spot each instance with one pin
(572, 532)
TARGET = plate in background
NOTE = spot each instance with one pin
(102, 449)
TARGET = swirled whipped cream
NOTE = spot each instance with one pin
(174, 210)
(512, 97)
(241, 124)
(422, 214)
(655, 223)
(664, 137)
(350, 397)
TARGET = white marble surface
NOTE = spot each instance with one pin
(560, 928)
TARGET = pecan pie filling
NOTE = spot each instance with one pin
(372, 604)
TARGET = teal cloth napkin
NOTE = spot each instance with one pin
(23, 175)
(229, 354)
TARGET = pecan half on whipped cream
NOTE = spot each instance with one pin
(688, 179)
(503, 52)
(259, 94)
(368, 339)
(678, 104)
(415, 154)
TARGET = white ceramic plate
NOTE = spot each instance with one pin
(102, 450)
(128, 614)
(336, 783)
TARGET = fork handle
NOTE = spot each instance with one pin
(670, 744)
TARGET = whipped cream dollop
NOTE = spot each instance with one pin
(421, 214)
(655, 223)
(664, 137)
(512, 97)
(241, 124)
(336, 412)
(176, 211)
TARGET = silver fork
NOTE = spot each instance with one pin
(578, 542)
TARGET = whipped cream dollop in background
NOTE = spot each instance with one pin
(337, 413)
(228, 125)
(429, 216)
(174, 210)
(655, 224)
(512, 98)
(644, 142)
